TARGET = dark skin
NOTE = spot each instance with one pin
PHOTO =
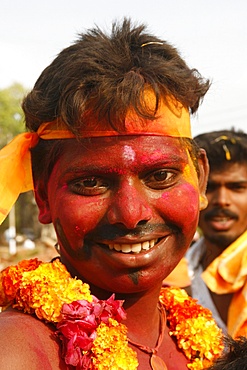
(132, 191)
(28, 343)
(35, 346)
(225, 218)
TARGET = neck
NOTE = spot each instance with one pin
(212, 252)
(143, 317)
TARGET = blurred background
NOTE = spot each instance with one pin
(210, 34)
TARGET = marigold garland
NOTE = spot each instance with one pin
(193, 326)
(90, 330)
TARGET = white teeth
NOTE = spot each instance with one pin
(225, 219)
(134, 248)
(222, 219)
(117, 247)
(126, 248)
(145, 245)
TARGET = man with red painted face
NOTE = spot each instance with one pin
(115, 170)
(217, 262)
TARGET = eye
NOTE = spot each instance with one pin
(89, 186)
(160, 179)
(238, 187)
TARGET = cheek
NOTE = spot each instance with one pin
(181, 206)
(78, 216)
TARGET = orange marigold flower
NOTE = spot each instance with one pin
(11, 277)
(44, 288)
(193, 326)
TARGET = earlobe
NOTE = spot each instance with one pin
(44, 214)
(203, 178)
(42, 203)
(203, 202)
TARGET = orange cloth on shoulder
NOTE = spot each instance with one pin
(228, 274)
(179, 277)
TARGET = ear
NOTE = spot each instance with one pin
(203, 167)
(42, 202)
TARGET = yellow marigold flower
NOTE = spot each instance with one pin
(196, 365)
(45, 289)
(110, 348)
(193, 326)
(202, 338)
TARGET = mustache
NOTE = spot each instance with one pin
(219, 212)
(112, 232)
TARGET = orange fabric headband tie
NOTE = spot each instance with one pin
(15, 158)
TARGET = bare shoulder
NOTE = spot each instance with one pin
(27, 343)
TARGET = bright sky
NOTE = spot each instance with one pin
(210, 34)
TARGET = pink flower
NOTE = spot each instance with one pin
(110, 308)
(72, 350)
(77, 329)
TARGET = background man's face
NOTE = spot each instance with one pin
(225, 218)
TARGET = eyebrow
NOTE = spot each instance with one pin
(81, 170)
(213, 182)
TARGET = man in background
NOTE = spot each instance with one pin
(218, 260)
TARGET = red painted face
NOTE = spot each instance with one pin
(125, 209)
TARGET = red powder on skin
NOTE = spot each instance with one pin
(185, 198)
(150, 158)
(78, 230)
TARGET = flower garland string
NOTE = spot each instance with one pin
(90, 329)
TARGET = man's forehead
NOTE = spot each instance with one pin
(139, 142)
(145, 148)
(227, 167)
(233, 172)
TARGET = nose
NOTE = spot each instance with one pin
(221, 197)
(129, 206)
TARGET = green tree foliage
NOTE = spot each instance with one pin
(11, 116)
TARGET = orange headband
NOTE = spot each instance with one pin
(15, 158)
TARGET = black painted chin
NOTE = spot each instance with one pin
(134, 277)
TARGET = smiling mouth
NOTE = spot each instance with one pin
(133, 248)
(221, 219)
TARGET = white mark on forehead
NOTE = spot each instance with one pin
(128, 154)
